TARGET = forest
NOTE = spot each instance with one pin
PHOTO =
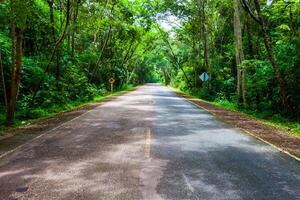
(58, 54)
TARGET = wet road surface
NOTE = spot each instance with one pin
(148, 144)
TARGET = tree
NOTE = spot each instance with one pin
(239, 55)
(16, 60)
(3, 81)
(260, 20)
(204, 33)
(56, 52)
(16, 74)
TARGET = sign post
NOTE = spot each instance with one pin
(111, 81)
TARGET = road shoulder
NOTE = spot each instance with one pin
(277, 138)
(17, 137)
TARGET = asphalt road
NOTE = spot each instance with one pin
(148, 144)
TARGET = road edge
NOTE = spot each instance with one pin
(111, 98)
(245, 131)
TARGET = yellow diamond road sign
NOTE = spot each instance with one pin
(111, 80)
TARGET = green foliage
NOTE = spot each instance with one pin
(67, 64)
(262, 87)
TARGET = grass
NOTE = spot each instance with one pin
(276, 121)
(56, 110)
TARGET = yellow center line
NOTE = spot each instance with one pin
(148, 143)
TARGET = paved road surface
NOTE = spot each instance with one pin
(148, 144)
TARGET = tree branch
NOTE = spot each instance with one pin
(246, 7)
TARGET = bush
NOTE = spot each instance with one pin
(36, 113)
(31, 113)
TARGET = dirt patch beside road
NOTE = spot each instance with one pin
(280, 139)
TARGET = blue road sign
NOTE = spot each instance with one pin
(204, 76)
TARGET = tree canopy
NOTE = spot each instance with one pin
(55, 52)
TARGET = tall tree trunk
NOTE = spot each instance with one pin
(250, 39)
(50, 3)
(167, 75)
(205, 37)
(294, 21)
(60, 39)
(69, 41)
(16, 76)
(12, 34)
(57, 54)
(195, 69)
(75, 14)
(69, 18)
(282, 84)
(239, 55)
(105, 42)
(205, 42)
(3, 82)
(178, 64)
(57, 72)
(73, 44)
